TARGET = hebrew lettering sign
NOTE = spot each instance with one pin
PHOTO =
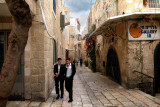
(143, 30)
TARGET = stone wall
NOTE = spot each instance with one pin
(126, 50)
(103, 44)
(32, 5)
(39, 51)
(129, 54)
(98, 11)
(38, 54)
(140, 58)
(2, 1)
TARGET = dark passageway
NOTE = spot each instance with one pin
(113, 68)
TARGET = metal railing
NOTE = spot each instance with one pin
(145, 85)
(154, 4)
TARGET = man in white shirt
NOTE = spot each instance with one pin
(69, 70)
(59, 78)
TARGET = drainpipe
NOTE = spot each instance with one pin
(44, 20)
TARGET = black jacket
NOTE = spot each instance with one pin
(56, 70)
(73, 70)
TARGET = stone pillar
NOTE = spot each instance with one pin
(37, 63)
(27, 72)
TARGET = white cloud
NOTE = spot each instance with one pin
(83, 17)
(79, 5)
(80, 9)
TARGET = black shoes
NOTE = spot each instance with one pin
(57, 97)
(70, 101)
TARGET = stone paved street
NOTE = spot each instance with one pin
(95, 90)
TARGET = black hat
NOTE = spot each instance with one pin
(67, 58)
(59, 59)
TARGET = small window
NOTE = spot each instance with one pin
(154, 4)
(62, 21)
(66, 16)
(54, 6)
(54, 52)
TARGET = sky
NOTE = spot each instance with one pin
(80, 9)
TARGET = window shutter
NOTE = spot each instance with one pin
(62, 21)
(54, 6)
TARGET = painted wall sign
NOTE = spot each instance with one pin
(143, 30)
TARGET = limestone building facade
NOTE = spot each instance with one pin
(123, 57)
(72, 33)
(45, 44)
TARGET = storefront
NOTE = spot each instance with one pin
(129, 44)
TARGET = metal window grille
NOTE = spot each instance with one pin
(62, 21)
(54, 6)
(154, 4)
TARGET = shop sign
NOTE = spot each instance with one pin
(143, 30)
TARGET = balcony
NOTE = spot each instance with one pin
(154, 4)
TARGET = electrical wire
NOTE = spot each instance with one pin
(44, 20)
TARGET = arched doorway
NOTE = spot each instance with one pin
(113, 68)
(157, 68)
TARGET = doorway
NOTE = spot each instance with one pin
(157, 68)
(113, 68)
(18, 89)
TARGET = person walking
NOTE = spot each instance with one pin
(69, 70)
(59, 78)
(81, 61)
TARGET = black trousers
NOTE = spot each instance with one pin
(61, 81)
(69, 87)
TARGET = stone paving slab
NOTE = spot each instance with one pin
(94, 90)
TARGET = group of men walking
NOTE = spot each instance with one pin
(64, 72)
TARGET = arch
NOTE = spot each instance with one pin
(157, 68)
(112, 67)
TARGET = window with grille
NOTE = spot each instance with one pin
(54, 6)
(154, 3)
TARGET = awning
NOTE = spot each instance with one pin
(132, 16)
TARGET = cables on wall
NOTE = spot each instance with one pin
(44, 20)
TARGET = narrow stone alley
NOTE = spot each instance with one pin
(94, 90)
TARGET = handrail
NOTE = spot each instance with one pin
(143, 74)
(153, 92)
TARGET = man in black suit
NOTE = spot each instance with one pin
(69, 72)
(59, 78)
